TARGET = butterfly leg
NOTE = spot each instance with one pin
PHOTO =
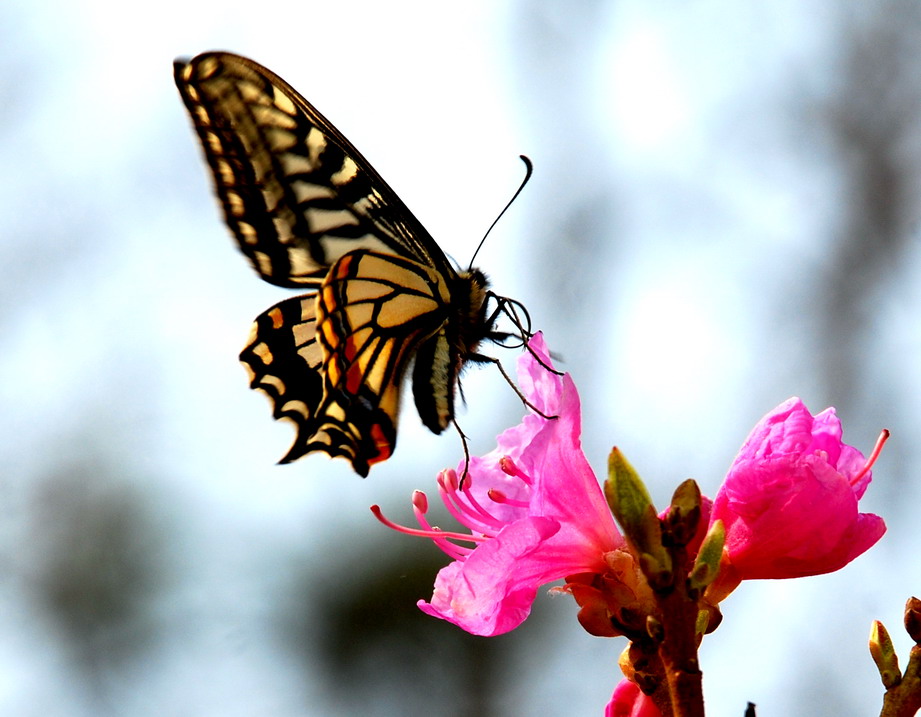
(463, 437)
(480, 358)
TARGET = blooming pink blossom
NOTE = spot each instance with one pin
(533, 507)
(629, 701)
(789, 501)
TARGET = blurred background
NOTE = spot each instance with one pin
(724, 213)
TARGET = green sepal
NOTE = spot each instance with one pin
(707, 565)
(702, 625)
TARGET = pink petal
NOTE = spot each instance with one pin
(492, 590)
(568, 490)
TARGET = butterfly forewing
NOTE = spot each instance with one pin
(309, 211)
(296, 194)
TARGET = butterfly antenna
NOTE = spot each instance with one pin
(529, 169)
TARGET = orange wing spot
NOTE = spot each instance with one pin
(381, 443)
(277, 319)
(343, 267)
(264, 352)
(354, 378)
(350, 349)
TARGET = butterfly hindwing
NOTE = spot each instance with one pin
(373, 312)
(285, 360)
(355, 338)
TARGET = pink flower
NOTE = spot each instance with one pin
(533, 507)
(629, 701)
(789, 501)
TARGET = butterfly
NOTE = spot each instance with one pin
(309, 211)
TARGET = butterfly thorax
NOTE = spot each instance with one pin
(471, 314)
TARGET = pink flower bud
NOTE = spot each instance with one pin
(789, 501)
(628, 701)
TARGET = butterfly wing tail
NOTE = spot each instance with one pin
(364, 439)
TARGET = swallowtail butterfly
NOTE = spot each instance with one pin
(309, 211)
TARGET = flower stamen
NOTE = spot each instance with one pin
(432, 533)
(465, 507)
(877, 449)
(509, 467)
(497, 496)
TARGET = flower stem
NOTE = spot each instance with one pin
(904, 699)
(678, 649)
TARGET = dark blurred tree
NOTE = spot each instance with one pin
(379, 652)
(94, 568)
(872, 122)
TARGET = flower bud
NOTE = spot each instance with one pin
(790, 499)
(883, 653)
(913, 619)
(632, 507)
(684, 514)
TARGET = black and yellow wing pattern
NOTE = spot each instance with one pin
(309, 211)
